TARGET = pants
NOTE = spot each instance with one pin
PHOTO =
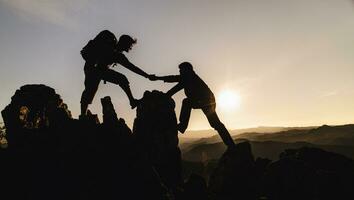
(209, 111)
(93, 77)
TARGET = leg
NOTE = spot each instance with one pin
(84, 106)
(215, 122)
(184, 115)
(128, 92)
(92, 82)
(119, 79)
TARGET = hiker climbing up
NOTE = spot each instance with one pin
(199, 96)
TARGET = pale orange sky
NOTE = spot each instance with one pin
(291, 62)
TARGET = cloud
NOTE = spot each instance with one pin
(59, 12)
(330, 94)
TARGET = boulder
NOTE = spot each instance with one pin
(155, 128)
(235, 175)
(35, 106)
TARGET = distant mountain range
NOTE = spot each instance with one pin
(269, 142)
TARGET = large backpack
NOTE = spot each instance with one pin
(88, 51)
(103, 44)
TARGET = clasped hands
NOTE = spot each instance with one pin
(152, 77)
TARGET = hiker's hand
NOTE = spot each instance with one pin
(152, 77)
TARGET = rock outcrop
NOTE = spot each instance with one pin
(3, 140)
(310, 173)
(235, 174)
(155, 129)
(33, 107)
(302, 173)
(53, 156)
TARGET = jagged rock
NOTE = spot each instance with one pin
(195, 188)
(109, 114)
(53, 156)
(290, 179)
(111, 121)
(155, 128)
(35, 106)
(3, 140)
(261, 164)
(310, 173)
(234, 176)
(90, 118)
(321, 159)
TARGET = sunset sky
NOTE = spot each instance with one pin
(279, 62)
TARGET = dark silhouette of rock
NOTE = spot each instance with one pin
(310, 173)
(65, 158)
(53, 156)
(261, 164)
(3, 140)
(111, 121)
(155, 128)
(290, 179)
(109, 114)
(195, 188)
(33, 107)
(234, 176)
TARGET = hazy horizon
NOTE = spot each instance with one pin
(287, 63)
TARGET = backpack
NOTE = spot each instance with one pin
(88, 51)
(103, 43)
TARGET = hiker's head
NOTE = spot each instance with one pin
(106, 38)
(185, 68)
(125, 43)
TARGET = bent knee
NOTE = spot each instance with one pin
(121, 80)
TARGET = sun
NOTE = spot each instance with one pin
(228, 100)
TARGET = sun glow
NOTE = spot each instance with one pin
(228, 100)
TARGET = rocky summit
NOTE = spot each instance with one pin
(51, 155)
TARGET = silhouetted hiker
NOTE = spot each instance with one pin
(101, 53)
(199, 96)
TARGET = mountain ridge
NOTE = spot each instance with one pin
(338, 139)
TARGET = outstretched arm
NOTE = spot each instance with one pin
(121, 59)
(169, 79)
(175, 89)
